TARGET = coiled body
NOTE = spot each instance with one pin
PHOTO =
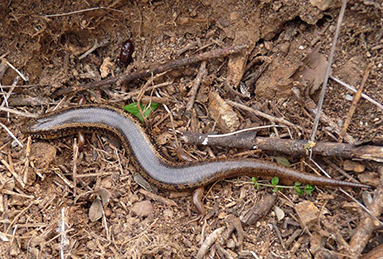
(149, 163)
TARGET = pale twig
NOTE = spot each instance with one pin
(328, 69)
(351, 88)
(94, 47)
(25, 78)
(23, 114)
(6, 97)
(11, 134)
(248, 129)
(81, 11)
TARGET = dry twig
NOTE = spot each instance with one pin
(294, 147)
(328, 69)
(154, 70)
(355, 100)
(193, 91)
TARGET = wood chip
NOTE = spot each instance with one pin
(222, 113)
(308, 214)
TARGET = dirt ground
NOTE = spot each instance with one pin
(50, 199)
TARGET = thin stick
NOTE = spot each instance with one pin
(202, 72)
(11, 134)
(81, 11)
(159, 68)
(351, 88)
(355, 100)
(25, 78)
(93, 48)
(23, 114)
(330, 58)
(263, 115)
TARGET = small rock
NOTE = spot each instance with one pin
(279, 212)
(308, 213)
(168, 213)
(142, 208)
(350, 165)
(230, 243)
(321, 4)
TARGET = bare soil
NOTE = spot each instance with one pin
(50, 214)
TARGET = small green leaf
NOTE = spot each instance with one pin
(298, 190)
(282, 161)
(275, 181)
(133, 109)
(309, 188)
(255, 182)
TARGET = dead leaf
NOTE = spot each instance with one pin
(313, 71)
(104, 194)
(96, 210)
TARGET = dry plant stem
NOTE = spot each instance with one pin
(159, 68)
(367, 225)
(278, 232)
(328, 68)
(202, 72)
(23, 114)
(93, 48)
(376, 253)
(365, 96)
(28, 101)
(27, 159)
(12, 171)
(263, 115)
(355, 101)
(249, 140)
(81, 11)
(11, 134)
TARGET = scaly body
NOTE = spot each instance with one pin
(149, 163)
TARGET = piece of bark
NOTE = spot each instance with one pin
(260, 210)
